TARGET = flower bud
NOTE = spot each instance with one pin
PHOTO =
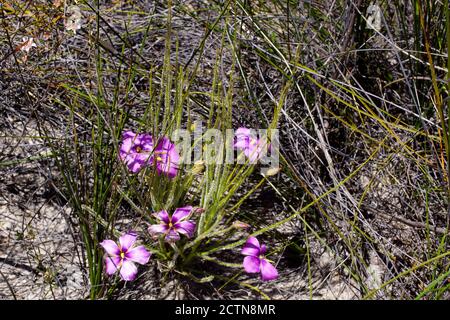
(240, 225)
(271, 171)
(199, 167)
(197, 210)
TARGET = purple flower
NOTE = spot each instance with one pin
(136, 150)
(166, 157)
(253, 148)
(124, 255)
(171, 227)
(255, 261)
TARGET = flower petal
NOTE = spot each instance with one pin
(185, 227)
(111, 264)
(125, 149)
(110, 247)
(138, 254)
(146, 142)
(251, 264)
(163, 216)
(243, 132)
(144, 158)
(168, 169)
(263, 249)
(167, 157)
(127, 240)
(243, 138)
(156, 229)
(181, 213)
(251, 247)
(128, 134)
(128, 270)
(253, 153)
(268, 271)
(253, 148)
(164, 144)
(172, 236)
(128, 138)
(167, 165)
(242, 143)
(135, 166)
(256, 150)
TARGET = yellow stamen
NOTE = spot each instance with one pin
(138, 149)
(122, 255)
